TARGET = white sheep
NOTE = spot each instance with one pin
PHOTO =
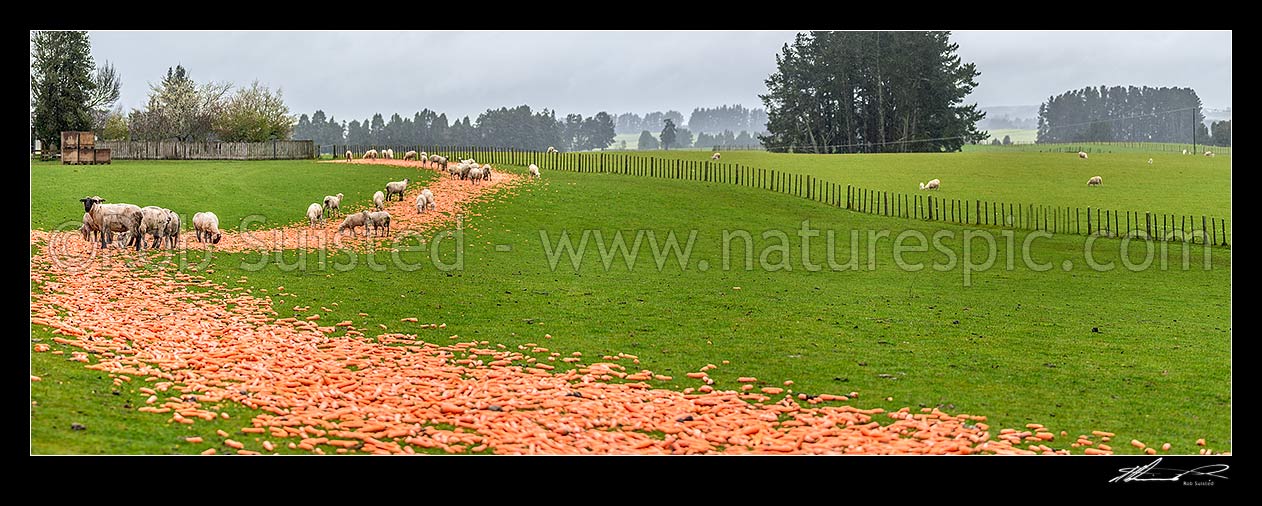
(487, 173)
(423, 157)
(315, 214)
(123, 218)
(126, 224)
(333, 204)
(1185, 151)
(379, 200)
(1150, 161)
(422, 203)
(398, 187)
(1094, 181)
(410, 155)
(1209, 154)
(931, 185)
(353, 221)
(153, 223)
(1082, 155)
(89, 228)
(475, 175)
(455, 170)
(429, 197)
(370, 154)
(378, 220)
(434, 158)
(171, 238)
(714, 156)
(206, 225)
(387, 153)
(442, 161)
(552, 150)
(348, 155)
(534, 171)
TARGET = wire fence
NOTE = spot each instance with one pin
(1148, 225)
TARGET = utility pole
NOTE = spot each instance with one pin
(1193, 130)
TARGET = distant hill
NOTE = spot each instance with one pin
(1014, 117)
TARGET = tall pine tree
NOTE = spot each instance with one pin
(61, 84)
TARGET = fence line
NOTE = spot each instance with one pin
(177, 150)
(925, 206)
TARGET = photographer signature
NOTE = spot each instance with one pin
(1151, 472)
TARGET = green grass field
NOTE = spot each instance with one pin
(279, 191)
(1174, 184)
(1015, 345)
(1014, 134)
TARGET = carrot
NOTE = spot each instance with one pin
(696, 375)
(235, 444)
(221, 433)
(194, 439)
(1150, 451)
(209, 451)
(267, 445)
(772, 390)
(247, 452)
(746, 379)
(1105, 447)
(1137, 444)
(253, 430)
(1200, 442)
(1096, 451)
(1102, 433)
(1165, 447)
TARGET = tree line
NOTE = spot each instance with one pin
(734, 118)
(847, 92)
(1127, 114)
(518, 127)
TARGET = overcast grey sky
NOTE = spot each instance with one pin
(352, 74)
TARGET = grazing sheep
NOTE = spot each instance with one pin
(398, 187)
(442, 162)
(1094, 181)
(423, 156)
(931, 185)
(153, 223)
(534, 171)
(379, 200)
(332, 204)
(476, 175)
(315, 214)
(98, 211)
(1185, 151)
(487, 172)
(172, 237)
(714, 156)
(370, 154)
(552, 150)
(410, 155)
(464, 173)
(1082, 155)
(89, 228)
(429, 197)
(455, 170)
(1150, 161)
(1209, 154)
(352, 221)
(348, 155)
(127, 224)
(422, 203)
(206, 225)
(378, 220)
(387, 153)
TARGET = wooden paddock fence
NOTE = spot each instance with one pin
(1197, 229)
(176, 150)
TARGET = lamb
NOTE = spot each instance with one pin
(172, 237)
(153, 222)
(352, 221)
(315, 214)
(348, 155)
(123, 222)
(422, 202)
(333, 203)
(1082, 155)
(1094, 181)
(206, 225)
(1150, 161)
(931, 185)
(370, 154)
(534, 171)
(714, 156)
(552, 150)
(379, 200)
(475, 175)
(89, 228)
(398, 187)
(429, 197)
(378, 220)
(410, 155)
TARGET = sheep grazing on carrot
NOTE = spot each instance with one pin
(348, 155)
(410, 155)
(206, 225)
(315, 214)
(534, 171)
(354, 221)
